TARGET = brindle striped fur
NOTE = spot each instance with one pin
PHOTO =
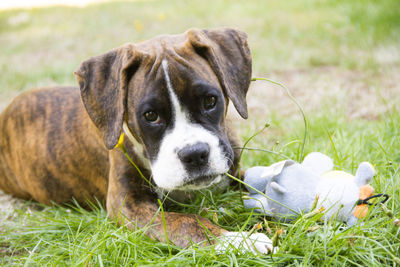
(57, 143)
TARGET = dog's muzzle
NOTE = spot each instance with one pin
(195, 157)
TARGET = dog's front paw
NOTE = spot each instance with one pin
(242, 242)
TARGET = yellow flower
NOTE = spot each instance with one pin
(120, 143)
(161, 17)
(138, 25)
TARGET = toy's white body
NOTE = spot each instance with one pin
(338, 194)
(292, 187)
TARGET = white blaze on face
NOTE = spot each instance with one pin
(168, 170)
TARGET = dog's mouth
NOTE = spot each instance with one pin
(201, 181)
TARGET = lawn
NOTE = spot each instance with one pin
(341, 61)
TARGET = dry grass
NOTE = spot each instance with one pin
(352, 94)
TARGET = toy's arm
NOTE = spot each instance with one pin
(258, 202)
(364, 174)
(361, 210)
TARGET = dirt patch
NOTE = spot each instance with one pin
(7, 206)
(352, 94)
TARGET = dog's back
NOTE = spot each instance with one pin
(44, 124)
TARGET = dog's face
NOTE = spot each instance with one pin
(172, 92)
(180, 121)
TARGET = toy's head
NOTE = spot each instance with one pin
(289, 188)
(291, 191)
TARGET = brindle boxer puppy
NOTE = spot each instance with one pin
(169, 95)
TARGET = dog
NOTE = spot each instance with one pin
(168, 97)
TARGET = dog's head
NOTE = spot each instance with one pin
(172, 92)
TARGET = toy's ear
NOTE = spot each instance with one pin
(273, 173)
(364, 174)
(276, 169)
(278, 188)
(317, 163)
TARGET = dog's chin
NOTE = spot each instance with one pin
(200, 182)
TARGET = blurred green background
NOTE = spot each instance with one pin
(42, 46)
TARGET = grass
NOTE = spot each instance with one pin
(74, 236)
(43, 46)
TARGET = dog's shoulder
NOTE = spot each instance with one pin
(40, 99)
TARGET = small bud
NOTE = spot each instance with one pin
(351, 240)
(267, 228)
(215, 217)
(255, 228)
(314, 228)
(388, 212)
(275, 238)
(313, 213)
(314, 205)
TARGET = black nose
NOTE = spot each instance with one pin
(194, 156)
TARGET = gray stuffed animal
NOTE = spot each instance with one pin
(292, 188)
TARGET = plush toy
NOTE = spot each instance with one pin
(292, 188)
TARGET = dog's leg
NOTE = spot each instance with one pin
(130, 196)
(131, 201)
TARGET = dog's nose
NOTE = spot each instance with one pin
(194, 156)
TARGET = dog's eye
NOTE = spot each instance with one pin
(151, 116)
(209, 102)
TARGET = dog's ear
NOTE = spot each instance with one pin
(229, 56)
(103, 81)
